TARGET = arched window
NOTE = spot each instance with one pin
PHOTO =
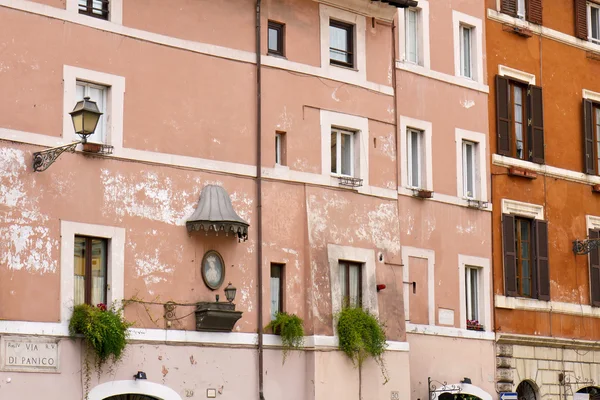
(592, 391)
(526, 391)
(131, 396)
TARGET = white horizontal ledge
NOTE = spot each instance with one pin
(442, 77)
(519, 303)
(544, 169)
(448, 332)
(444, 198)
(56, 329)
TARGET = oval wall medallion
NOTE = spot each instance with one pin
(213, 269)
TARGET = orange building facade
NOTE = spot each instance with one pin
(543, 69)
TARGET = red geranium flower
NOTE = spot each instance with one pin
(101, 306)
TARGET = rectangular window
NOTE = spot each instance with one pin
(521, 9)
(469, 168)
(276, 38)
(594, 33)
(412, 35)
(414, 158)
(98, 94)
(472, 293)
(523, 245)
(90, 270)
(466, 65)
(518, 95)
(342, 152)
(351, 283)
(280, 149)
(341, 43)
(94, 8)
(276, 289)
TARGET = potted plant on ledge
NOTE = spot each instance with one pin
(474, 325)
(291, 329)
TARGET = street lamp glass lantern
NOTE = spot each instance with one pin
(85, 117)
(230, 292)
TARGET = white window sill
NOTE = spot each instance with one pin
(448, 331)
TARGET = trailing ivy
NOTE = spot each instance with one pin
(104, 333)
(362, 335)
(291, 329)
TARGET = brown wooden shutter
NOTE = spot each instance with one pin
(509, 7)
(503, 120)
(534, 11)
(535, 123)
(595, 271)
(510, 255)
(541, 259)
(581, 29)
(589, 160)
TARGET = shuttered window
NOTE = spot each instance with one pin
(595, 271)
(519, 120)
(581, 22)
(591, 136)
(525, 247)
(531, 10)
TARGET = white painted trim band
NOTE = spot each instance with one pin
(448, 332)
(518, 303)
(442, 77)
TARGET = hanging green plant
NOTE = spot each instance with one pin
(362, 335)
(104, 331)
(291, 329)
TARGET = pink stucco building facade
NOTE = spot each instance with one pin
(356, 152)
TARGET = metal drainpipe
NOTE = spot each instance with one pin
(259, 203)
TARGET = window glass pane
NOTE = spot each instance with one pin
(469, 160)
(595, 22)
(526, 279)
(465, 51)
(98, 271)
(338, 43)
(97, 94)
(346, 154)
(518, 114)
(354, 285)
(273, 39)
(521, 8)
(474, 295)
(277, 148)
(79, 92)
(79, 264)
(275, 290)
(411, 36)
(344, 281)
(597, 111)
(414, 158)
(334, 152)
(82, 3)
(97, 4)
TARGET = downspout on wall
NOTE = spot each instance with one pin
(259, 203)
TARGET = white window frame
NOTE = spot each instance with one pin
(366, 257)
(115, 12)
(360, 126)
(485, 294)
(459, 19)
(423, 46)
(480, 167)
(115, 268)
(338, 149)
(407, 123)
(589, 21)
(409, 157)
(429, 255)
(101, 138)
(521, 209)
(115, 98)
(340, 73)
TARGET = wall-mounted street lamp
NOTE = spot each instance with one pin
(230, 292)
(85, 118)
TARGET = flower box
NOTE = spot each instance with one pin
(92, 147)
(423, 193)
(474, 325)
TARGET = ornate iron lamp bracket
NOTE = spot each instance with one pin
(434, 391)
(586, 246)
(44, 159)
